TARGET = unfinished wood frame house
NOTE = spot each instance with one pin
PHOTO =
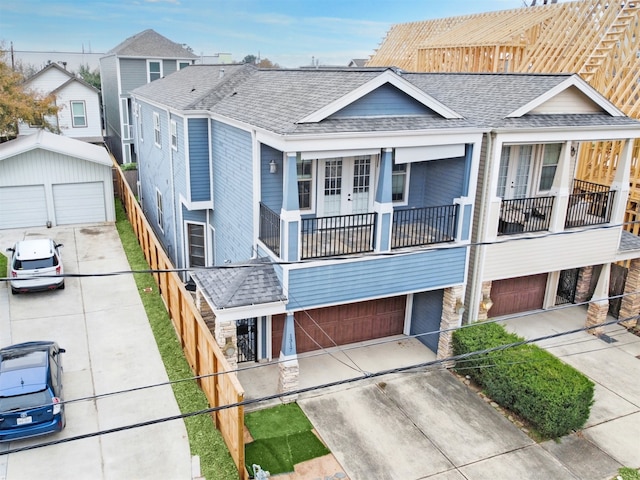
(597, 39)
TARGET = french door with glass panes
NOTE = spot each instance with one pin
(345, 186)
(527, 170)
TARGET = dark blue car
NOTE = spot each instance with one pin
(30, 390)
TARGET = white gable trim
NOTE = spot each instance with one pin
(572, 81)
(388, 76)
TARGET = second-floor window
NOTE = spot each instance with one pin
(305, 183)
(154, 70)
(399, 182)
(174, 135)
(156, 129)
(78, 114)
(182, 64)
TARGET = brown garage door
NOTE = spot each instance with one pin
(515, 295)
(343, 324)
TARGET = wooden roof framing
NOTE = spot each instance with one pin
(598, 39)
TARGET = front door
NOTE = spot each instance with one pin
(515, 168)
(346, 186)
(247, 335)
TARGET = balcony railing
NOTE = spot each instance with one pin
(424, 226)
(525, 215)
(589, 204)
(270, 228)
(340, 235)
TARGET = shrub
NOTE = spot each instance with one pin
(553, 396)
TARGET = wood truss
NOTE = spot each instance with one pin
(599, 39)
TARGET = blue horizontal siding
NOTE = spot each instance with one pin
(385, 100)
(271, 183)
(376, 277)
(199, 166)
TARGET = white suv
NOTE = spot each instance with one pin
(36, 265)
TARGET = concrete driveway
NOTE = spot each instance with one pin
(101, 323)
(428, 424)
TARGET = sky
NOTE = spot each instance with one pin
(288, 32)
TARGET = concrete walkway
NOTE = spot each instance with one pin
(101, 323)
(428, 424)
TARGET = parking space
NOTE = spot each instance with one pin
(101, 323)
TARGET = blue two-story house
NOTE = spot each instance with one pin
(313, 208)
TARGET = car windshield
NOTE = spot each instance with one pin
(22, 402)
(36, 263)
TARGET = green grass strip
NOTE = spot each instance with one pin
(277, 421)
(204, 439)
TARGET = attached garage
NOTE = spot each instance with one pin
(47, 178)
(514, 295)
(343, 324)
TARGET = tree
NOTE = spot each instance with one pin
(252, 59)
(91, 77)
(18, 104)
(266, 63)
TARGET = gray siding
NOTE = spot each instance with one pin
(350, 281)
(168, 67)
(272, 184)
(233, 192)
(199, 167)
(385, 100)
(133, 73)
(426, 316)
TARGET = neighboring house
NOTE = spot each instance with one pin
(358, 62)
(78, 102)
(339, 204)
(49, 179)
(140, 59)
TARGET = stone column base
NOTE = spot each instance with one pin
(288, 379)
(597, 314)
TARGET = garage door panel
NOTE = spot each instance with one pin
(79, 203)
(23, 206)
(521, 294)
(343, 324)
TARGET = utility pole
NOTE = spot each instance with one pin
(13, 63)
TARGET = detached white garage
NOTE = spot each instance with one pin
(50, 178)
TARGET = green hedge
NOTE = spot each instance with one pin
(527, 380)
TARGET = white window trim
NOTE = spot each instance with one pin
(84, 115)
(157, 133)
(407, 176)
(314, 186)
(159, 210)
(188, 244)
(149, 62)
(174, 135)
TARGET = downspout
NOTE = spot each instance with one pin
(173, 192)
(256, 159)
(476, 283)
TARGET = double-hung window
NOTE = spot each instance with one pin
(174, 135)
(159, 210)
(154, 70)
(78, 113)
(304, 169)
(399, 182)
(156, 129)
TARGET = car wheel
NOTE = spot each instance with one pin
(61, 287)
(14, 291)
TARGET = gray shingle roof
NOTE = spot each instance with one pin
(629, 241)
(239, 285)
(277, 100)
(149, 43)
(196, 86)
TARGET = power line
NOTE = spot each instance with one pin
(300, 391)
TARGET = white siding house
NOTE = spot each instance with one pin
(79, 104)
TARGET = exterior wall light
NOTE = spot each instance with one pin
(486, 303)
(273, 166)
(459, 307)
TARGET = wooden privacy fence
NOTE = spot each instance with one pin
(200, 348)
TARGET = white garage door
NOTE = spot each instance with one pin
(79, 203)
(24, 206)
